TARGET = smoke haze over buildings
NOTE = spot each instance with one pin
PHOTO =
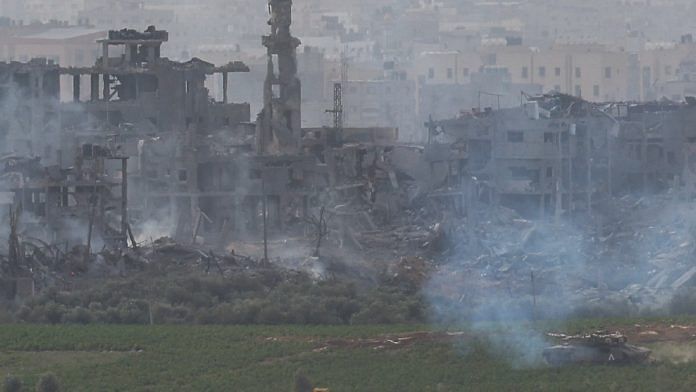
(507, 161)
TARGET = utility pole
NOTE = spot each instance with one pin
(93, 211)
(265, 214)
(559, 176)
(644, 155)
(124, 202)
(534, 304)
(589, 185)
(571, 185)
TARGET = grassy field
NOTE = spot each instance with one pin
(183, 358)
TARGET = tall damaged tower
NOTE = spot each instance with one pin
(279, 126)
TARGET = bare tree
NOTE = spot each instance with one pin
(321, 229)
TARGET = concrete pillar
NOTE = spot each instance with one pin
(542, 205)
(76, 88)
(106, 88)
(151, 54)
(131, 50)
(105, 55)
(224, 86)
(94, 87)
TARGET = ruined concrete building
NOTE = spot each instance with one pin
(71, 205)
(654, 143)
(132, 93)
(30, 114)
(196, 167)
(557, 154)
(546, 157)
(138, 86)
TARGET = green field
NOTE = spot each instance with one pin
(183, 358)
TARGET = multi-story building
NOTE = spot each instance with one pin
(446, 67)
(69, 46)
(593, 72)
(590, 72)
(546, 157)
(30, 120)
(660, 64)
(654, 142)
(491, 88)
(684, 85)
(382, 103)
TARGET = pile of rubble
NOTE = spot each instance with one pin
(638, 251)
(634, 251)
(50, 266)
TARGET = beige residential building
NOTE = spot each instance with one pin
(66, 46)
(594, 72)
(589, 71)
(447, 67)
(659, 65)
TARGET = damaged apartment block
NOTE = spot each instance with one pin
(545, 158)
(131, 92)
(200, 171)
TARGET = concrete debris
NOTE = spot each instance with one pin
(639, 260)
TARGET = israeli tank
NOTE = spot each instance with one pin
(596, 348)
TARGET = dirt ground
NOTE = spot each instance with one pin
(639, 334)
(658, 333)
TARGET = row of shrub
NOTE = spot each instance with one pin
(244, 299)
(269, 298)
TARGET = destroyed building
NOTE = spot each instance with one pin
(546, 157)
(202, 169)
(654, 143)
(137, 86)
(59, 204)
(30, 121)
(131, 94)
